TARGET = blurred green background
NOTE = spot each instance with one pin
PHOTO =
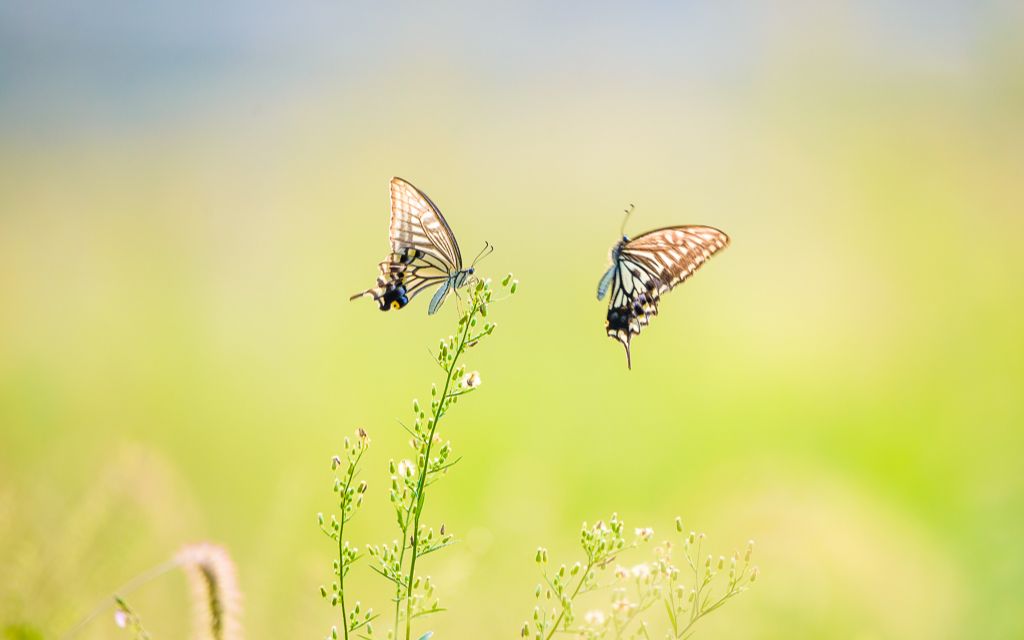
(190, 192)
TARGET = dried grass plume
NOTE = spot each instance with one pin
(216, 597)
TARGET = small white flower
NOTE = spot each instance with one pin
(644, 533)
(406, 469)
(640, 571)
(621, 572)
(594, 618)
(622, 606)
(121, 618)
(471, 380)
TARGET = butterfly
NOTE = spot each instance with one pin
(648, 266)
(424, 253)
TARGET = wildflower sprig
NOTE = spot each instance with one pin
(350, 498)
(601, 543)
(637, 590)
(432, 459)
(409, 478)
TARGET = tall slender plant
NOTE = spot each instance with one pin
(399, 561)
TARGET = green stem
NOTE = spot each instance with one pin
(576, 591)
(420, 495)
(341, 542)
(401, 563)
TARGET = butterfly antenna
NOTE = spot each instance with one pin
(622, 229)
(486, 251)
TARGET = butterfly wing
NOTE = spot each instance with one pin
(650, 265)
(424, 252)
(439, 296)
(417, 223)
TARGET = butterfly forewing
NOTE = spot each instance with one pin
(648, 266)
(417, 222)
(673, 253)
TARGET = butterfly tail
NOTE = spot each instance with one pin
(368, 292)
(629, 358)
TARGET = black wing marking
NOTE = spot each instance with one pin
(403, 276)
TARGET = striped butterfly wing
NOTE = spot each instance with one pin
(649, 266)
(417, 223)
(424, 252)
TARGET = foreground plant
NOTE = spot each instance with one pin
(216, 598)
(399, 561)
(685, 594)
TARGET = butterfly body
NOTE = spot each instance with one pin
(644, 268)
(424, 253)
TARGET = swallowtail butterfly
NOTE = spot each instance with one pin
(648, 266)
(424, 252)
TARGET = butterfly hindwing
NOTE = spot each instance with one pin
(646, 267)
(424, 252)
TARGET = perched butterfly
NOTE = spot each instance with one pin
(424, 252)
(646, 267)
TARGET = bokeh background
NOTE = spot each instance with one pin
(190, 191)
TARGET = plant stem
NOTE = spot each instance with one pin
(341, 541)
(401, 562)
(420, 495)
(576, 591)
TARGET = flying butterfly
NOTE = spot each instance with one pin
(424, 253)
(648, 266)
